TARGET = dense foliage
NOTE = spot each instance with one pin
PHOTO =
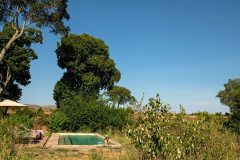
(24, 17)
(158, 134)
(42, 13)
(88, 67)
(120, 96)
(84, 113)
(14, 129)
(15, 66)
(58, 121)
(230, 97)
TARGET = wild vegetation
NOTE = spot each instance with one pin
(159, 134)
(150, 132)
(154, 132)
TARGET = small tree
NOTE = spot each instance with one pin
(120, 95)
(230, 97)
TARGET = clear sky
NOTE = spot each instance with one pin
(185, 50)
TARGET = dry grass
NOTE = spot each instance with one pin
(68, 154)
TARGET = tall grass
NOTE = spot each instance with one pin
(11, 141)
(159, 134)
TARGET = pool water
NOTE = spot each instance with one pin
(80, 140)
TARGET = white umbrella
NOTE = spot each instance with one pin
(8, 103)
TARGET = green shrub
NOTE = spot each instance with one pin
(233, 122)
(26, 111)
(22, 117)
(11, 138)
(82, 112)
(39, 112)
(58, 121)
(158, 134)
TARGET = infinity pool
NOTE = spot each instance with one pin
(80, 140)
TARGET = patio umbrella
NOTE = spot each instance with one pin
(10, 104)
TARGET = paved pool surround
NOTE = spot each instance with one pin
(53, 142)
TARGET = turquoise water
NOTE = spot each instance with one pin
(79, 140)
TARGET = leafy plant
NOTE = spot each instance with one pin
(58, 121)
(230, 97)
(82, 112)
(23, 117)
(159, 134)
(11, 138)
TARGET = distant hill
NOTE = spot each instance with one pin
(49, 106)
(46, 108)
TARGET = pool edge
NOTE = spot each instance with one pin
(53, 142)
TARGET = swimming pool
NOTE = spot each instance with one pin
(80, 140)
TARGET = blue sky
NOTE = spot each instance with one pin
(184, 50)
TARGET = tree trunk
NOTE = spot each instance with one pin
(7, 79)
(12, 40)
(9, 44)
(16, 36)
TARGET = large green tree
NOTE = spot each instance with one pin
(15, 66)
(88, 67)
(120, 95)
(25, 14)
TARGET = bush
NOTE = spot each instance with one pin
(26, 111)
(40, 119)
(158, 134)
(82, 113)
(233, 122)
(58, 121)
(11, 138)
(23, 117)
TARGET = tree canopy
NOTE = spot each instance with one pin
(15, 67)
(230, 96)
(25, 15)
(87, 64)
(42, 13)
(120, 95)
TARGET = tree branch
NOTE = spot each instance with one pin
(13, 39)
(22, 30)
(8, 77)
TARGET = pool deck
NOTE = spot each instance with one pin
(53, 142)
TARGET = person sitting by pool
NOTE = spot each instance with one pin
(106, 140)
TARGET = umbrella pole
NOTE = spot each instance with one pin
(5, 111)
